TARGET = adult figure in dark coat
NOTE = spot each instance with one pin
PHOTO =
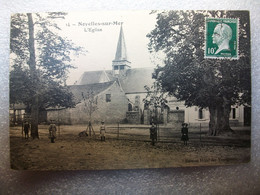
(153, 134)
(184, 132)
(25, 129)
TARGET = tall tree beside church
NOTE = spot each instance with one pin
(90, 103)
(43, 57)
(187, 75)
(156, 100)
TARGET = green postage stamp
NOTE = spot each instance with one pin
(221, 35)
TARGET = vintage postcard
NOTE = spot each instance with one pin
(129, 89)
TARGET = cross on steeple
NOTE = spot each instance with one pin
(120, 63)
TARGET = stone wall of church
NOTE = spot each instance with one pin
(137, 100)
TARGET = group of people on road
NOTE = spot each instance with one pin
(153, 132)
(26, 127)
(53, 129)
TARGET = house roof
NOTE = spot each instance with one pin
(81, 91)
(92, 77)
(18, 106)
(132, 82)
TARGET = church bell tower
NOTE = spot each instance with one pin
(120, 64)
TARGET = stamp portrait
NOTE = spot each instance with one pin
(221, 38)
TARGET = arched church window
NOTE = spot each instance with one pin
(130, 107)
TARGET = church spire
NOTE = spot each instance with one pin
(121, 53)
(120, 63)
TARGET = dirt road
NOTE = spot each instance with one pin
(71, 152)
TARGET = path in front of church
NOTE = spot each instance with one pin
(132, 150)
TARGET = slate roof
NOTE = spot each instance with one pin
(92, 77)
(136, 79)
(133, 82)
(96, 88)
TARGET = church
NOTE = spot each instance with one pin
(116, 96)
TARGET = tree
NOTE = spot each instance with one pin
(156, 99)
(187, 75)
(90, 103)
(19, 85)
(43, 58)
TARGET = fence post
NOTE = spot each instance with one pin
(118, 130)
(59, 128)
(200, 132)
(158, 136)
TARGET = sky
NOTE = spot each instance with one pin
(91, 31)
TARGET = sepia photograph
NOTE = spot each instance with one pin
(129, 89)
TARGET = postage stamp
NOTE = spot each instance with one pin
(221, 36)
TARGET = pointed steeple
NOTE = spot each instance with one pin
(121, 53)
(120, 63)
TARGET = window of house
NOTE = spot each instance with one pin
(233, 113)
(115, 67)
(201, 114)
(108, 97)
(122, 67)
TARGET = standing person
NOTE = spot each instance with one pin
(25, 129)
(184, 132)
(153, 134)
(102, 131)
(52, 131)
